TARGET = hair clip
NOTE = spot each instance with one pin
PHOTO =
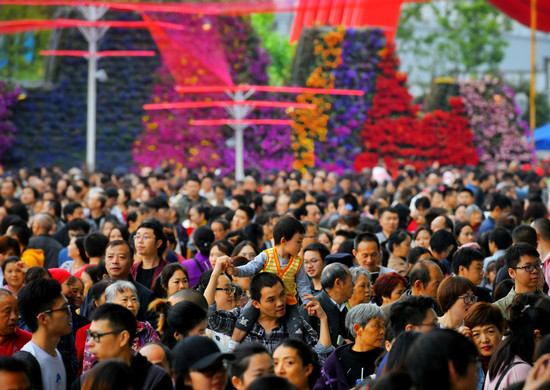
(525, 308)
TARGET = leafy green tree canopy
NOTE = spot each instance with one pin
(467, 36)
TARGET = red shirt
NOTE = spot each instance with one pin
(14, 342)
(80, 343)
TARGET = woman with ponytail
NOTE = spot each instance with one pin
(514, 357)
(176, 322)
(174, 277)
(203, 237)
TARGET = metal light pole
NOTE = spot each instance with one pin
(92, 35)
(239, 112)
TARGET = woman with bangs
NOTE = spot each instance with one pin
(400, 245)
(455, 296)
(252, 360)
(484, 325)
(388, 288)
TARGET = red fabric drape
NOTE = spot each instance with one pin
(520, 10)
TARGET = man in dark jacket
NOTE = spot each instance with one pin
(118, 261)
(111, 334)
(337, 289)
(42, 226)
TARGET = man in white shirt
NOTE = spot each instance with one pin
(46, 312)
(368, 254)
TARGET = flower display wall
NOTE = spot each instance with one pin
(394, 135)
(357, 70)
(266, 146)
(499, 133)
(311, 125)
(344, 131)
(171, 135)
(51, 121)
(8, 100)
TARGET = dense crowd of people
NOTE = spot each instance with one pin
(172, 279)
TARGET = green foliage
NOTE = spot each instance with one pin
(19, 56)
(467, 36)
(280, 50)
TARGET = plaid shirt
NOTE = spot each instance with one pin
(224, 322)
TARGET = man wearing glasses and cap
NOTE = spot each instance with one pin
(525, 268)
(110, 336)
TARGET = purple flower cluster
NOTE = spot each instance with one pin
(358, 70)
(266, 147)
(8, 100)
(170, 135)
(499, 133)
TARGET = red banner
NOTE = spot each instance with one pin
(520, 10)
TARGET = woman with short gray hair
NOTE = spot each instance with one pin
(361, 286)
(124, 293)
(353, 362)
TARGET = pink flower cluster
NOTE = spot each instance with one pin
(499, 133)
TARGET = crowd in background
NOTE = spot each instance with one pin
(172, 279)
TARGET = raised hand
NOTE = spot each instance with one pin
(314, 308)
(221, 264)
(230, 269)
(539, 375)
(22, 266)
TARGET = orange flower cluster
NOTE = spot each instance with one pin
(311, 125)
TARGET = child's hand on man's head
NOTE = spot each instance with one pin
(314, 308)
(221, 264)
(230, 269)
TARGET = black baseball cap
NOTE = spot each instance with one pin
(344, 258)
(197, 353)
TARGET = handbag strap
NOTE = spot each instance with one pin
(506, 372)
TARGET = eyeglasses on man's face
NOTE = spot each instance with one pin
(65, 308)
(229, 290)
(97, 336)
(139, 237)
(311, 261)
(531, 268)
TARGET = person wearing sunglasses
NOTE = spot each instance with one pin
(455, 296)
(525, 268)
(110, 336)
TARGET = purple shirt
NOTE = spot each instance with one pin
(195, 267)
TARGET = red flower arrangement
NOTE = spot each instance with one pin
(394, 135)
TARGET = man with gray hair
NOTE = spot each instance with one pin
(42, 227)
(425, 277)
(337, 285)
